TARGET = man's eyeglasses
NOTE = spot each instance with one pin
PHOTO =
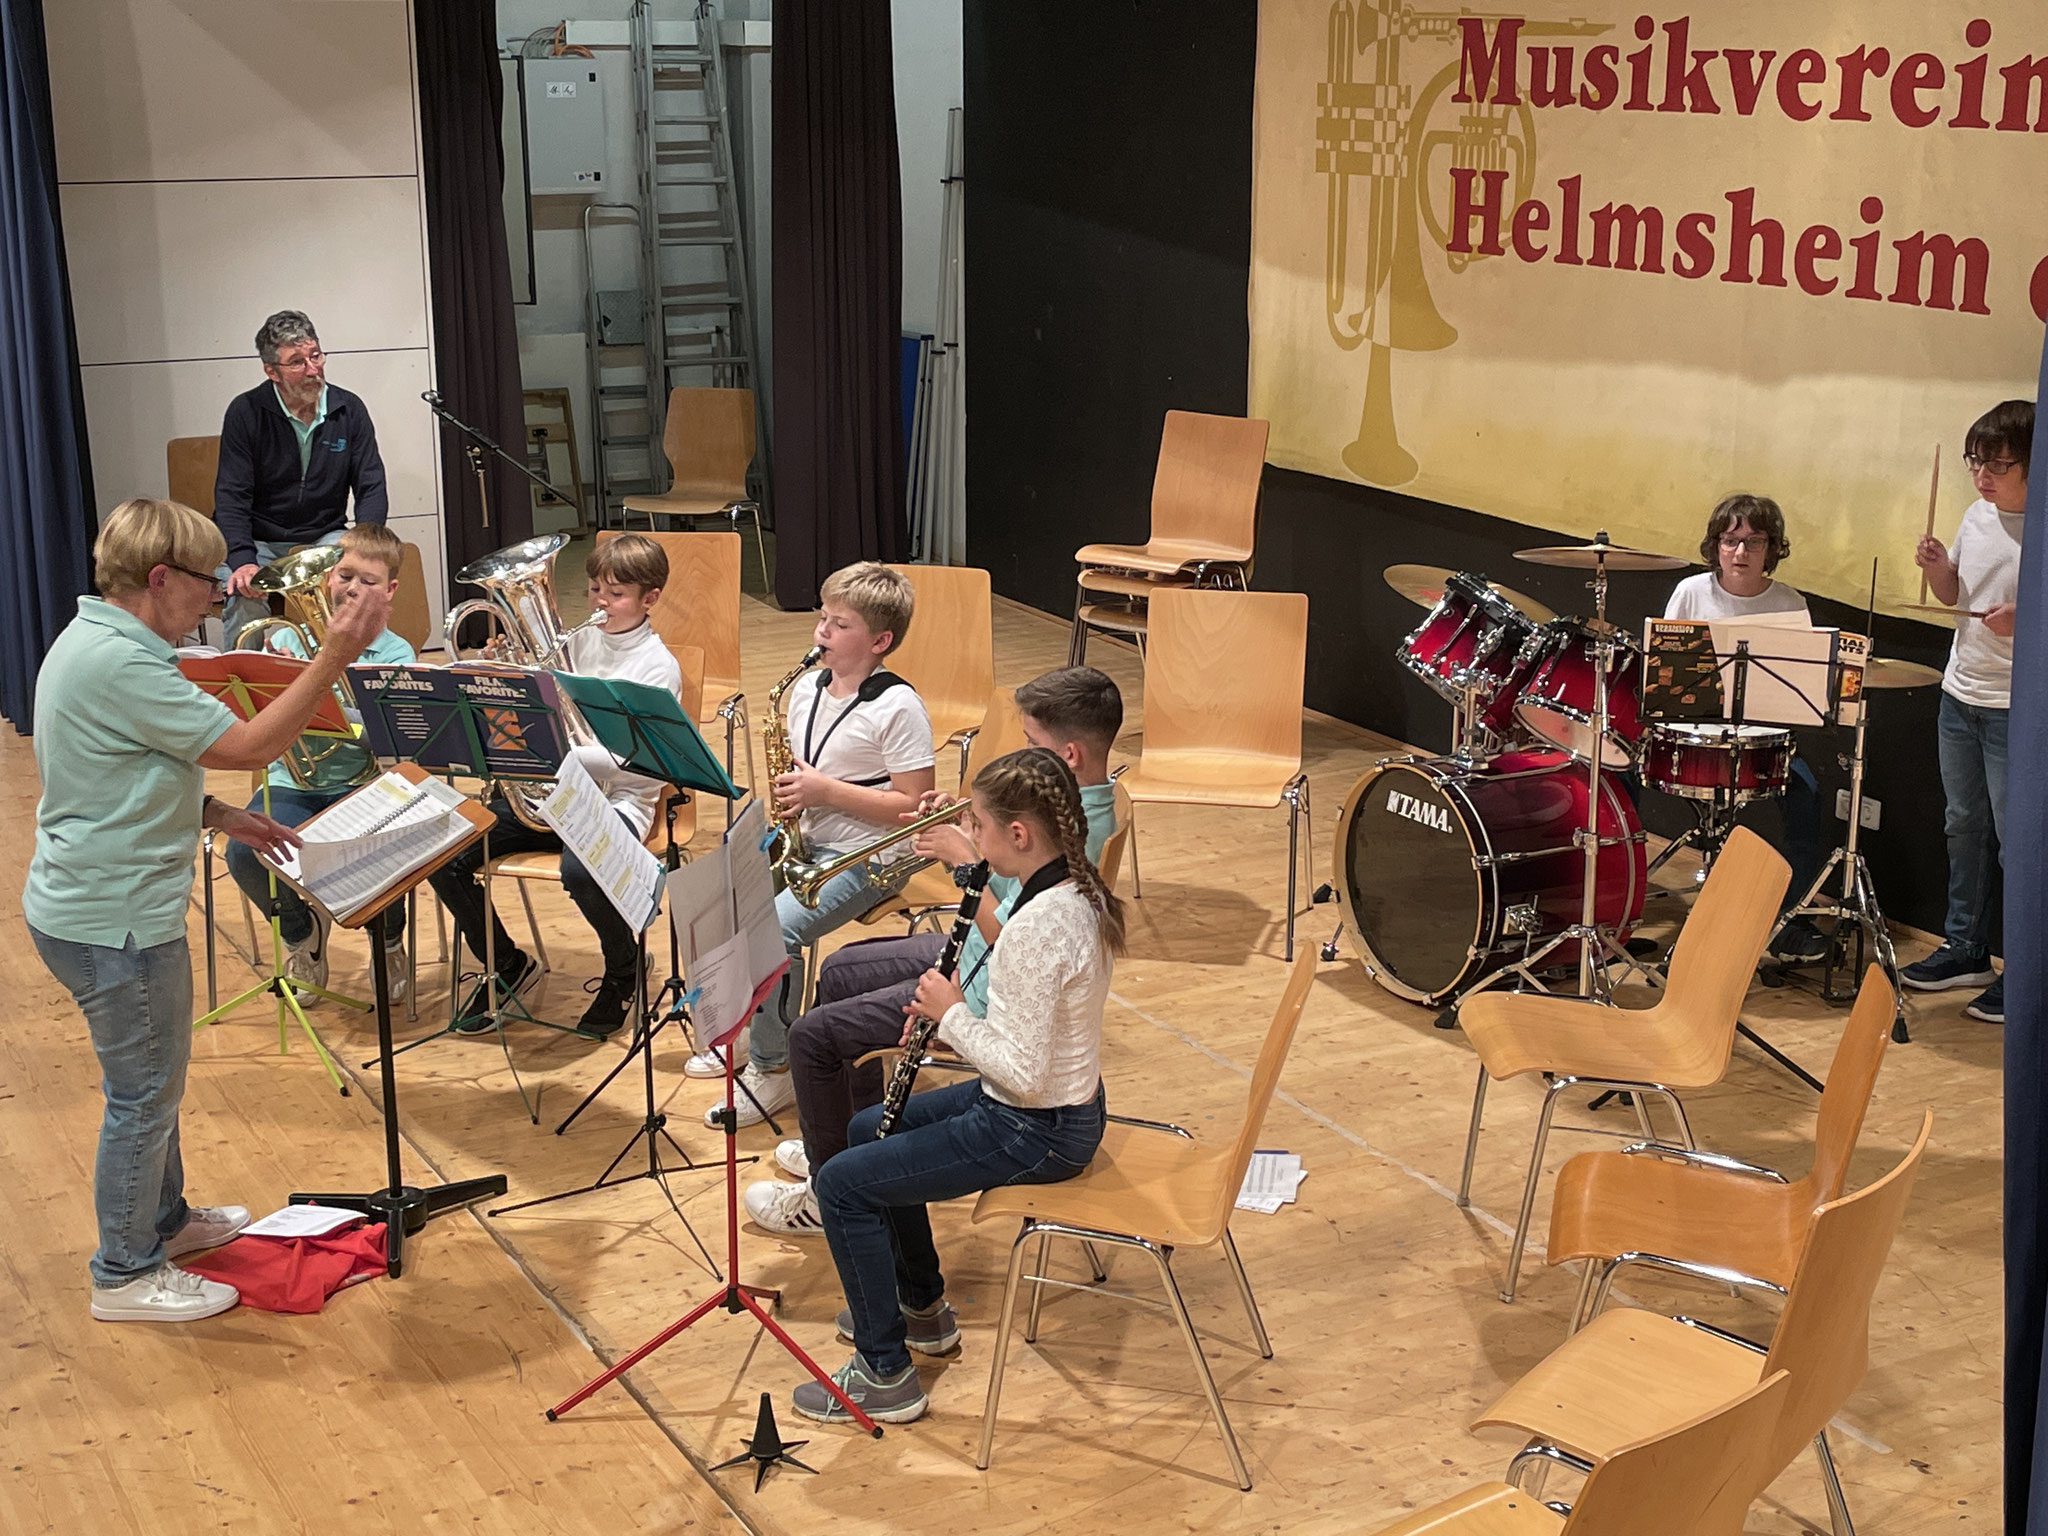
(1996, 466)
(212, 581)
(302, 364)
(1756, 544)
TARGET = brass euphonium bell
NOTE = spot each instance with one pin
(300, 578)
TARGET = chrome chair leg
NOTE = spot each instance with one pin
(1037, 1289)
(1684, 1125)
(995, 1365)
(1609, 1269)
(1077, 642)
(1296, 796)
(753, 508)
(1472, 1141)
(1137, 876)
(1577, 1319)
(1095, 1264)
(1163, 1259)
(1244, 1291)
(1529, 1189)
(1838, 1503)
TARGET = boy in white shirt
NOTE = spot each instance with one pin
(1978, 574)
(863, 745)
(1744, 541)
(626, 577)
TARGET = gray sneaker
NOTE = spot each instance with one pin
(893, 1400)
(936, 1332)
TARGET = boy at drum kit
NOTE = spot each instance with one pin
(1744, 541)
(626, 575)
(370, 558)
(862, 741)
(1978, 576)
(864, 988)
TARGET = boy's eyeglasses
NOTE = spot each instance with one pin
(1996, 466)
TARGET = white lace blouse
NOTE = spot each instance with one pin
(1040, 1045)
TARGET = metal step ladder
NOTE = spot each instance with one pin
(626, 449)
(696, 287)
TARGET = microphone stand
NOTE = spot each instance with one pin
(475, 448)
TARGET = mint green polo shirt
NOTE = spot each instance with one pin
(304, 430)
(1098, 803)
(118, 731)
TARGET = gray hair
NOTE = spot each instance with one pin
(283, 329)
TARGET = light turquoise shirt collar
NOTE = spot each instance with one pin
(303, 429)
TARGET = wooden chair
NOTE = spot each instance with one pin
(1695, 1479)
(1712, 1217)
(411, 617)
(1112, 861)
(1223, 687)
(1683, 1042)
(1156, 1188)
(525, 868)
(1630, 1372)
(700, 607)
(191, 465)
(1205, 508)
(948, 655)
(708, 438)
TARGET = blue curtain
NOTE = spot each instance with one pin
(2026, 1022)
(46, 517)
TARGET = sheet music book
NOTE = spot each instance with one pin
(627, 873)
(361, 847)
(487, 722)
(247, 681)
(1690, 670)
(723, 908)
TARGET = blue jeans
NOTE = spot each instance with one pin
(844, 897)
(239, 612)
(950, 1142)
(138, 1009)
(294, 807)
(1971, 740)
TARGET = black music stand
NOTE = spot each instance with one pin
(404, 1208)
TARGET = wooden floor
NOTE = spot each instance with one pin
(415, 1404)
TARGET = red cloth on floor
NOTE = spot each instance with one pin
(294, 1274)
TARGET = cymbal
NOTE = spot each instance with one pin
(1883, 672)
(1586, 557)
(1423, 585)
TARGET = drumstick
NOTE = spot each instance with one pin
(1933, 498)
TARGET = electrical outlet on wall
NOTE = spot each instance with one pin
(1841, 805)
(1873, 810)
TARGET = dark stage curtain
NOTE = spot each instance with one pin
(2026, 1020)
(476, 343)
(838, 294)
(47, 520)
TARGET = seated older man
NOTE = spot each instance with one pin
(293, 451)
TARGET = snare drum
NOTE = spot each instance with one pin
(1559, 666)
(1470, 639)
(1448, 870)
(1701, 760)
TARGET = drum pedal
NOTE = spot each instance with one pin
(1447, 1018)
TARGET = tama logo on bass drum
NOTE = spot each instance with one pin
(1434, 817)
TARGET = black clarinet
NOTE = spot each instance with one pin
(897, 1094)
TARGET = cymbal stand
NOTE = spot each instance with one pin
(1857, 899)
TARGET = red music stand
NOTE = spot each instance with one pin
(732, 1295)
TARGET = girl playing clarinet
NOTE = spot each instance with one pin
(1033, 1116)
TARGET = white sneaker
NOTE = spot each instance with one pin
(712, 1063)
(208, 1226)
(397, 973)
(306, 961)
(771, 1093)
(789, 1210)
(791, 1159)
(167, 1294)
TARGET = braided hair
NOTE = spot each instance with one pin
(1037, 786)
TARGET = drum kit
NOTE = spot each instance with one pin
(1517, 853)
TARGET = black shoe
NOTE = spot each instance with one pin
(609, 1008)
(475, 1015)
(1799, 942)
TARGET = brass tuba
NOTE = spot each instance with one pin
(519, 586)
(300, 578)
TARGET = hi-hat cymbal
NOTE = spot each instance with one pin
(1423, 585)
(1586, 557)
(1883, 672)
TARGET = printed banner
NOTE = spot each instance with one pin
(1598, 270)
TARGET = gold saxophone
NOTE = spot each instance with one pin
(788, 838)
